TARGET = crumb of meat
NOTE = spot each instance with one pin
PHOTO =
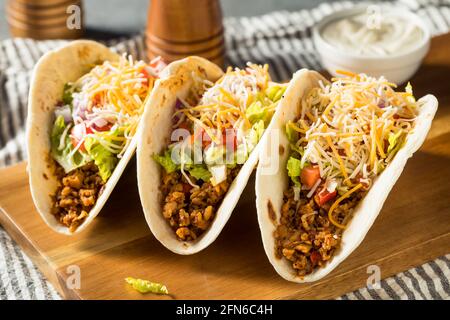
(190, 211)
(76, 195)
(305, 236)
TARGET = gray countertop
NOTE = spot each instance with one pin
(105, 19)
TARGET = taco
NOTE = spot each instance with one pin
(342, 145)
(85, 104)
(198, 148)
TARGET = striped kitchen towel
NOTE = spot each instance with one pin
(283, 40)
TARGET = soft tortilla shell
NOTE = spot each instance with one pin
(154, 138)
(53, 70)
(270, 187)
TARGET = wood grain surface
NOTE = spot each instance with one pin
(413, 227)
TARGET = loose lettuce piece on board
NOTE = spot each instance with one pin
(145, 286)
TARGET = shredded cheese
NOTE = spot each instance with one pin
(345, 126)
(114, 92)
(335, 204)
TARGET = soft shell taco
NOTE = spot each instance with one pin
(198, 147)
(343, 144)
(85, 105)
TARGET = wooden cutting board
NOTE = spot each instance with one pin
(414, 227)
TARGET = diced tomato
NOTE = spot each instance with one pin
(106, 127)
(309, 176)
(145, 73)
(323, 196)
(315, 257)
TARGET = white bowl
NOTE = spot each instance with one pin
(397, 68)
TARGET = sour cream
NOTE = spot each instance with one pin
(362, 35)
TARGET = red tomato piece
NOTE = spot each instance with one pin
(309, 176)
(106, 127)
(323, 196)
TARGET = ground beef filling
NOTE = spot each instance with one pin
(76, 195)
(305, 235)
(190, 211)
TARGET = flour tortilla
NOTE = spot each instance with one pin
(154, 138)
(54, 69)
(270, 187)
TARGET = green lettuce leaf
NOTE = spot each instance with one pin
(395, 141)
(257, 112)
(255, 134)
(291, 134)
(67, 94)
(61, 150)
(145, 286)
(200, 172)
(294, 169)
(165, 160)
(104, 159)
(275, 93)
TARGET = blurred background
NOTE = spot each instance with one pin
(106, 19)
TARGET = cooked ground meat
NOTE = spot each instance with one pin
(190, 211)
(305, 235)
(76, 195)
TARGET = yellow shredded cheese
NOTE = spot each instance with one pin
(113, 93)
(345, 126)
(336, 203)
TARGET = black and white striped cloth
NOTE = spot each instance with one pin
(283, 40)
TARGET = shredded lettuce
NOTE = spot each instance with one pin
(255, 133)
(294, 169)
(67, 94)
(275, 93)
(104, 159)
(165, 160)
(291, 134)
(394, 141)
(61, 147)
(200, 172)
(260, 108)
(145, 286)
(257, 112)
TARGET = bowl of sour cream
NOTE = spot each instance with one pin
(377, 41)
